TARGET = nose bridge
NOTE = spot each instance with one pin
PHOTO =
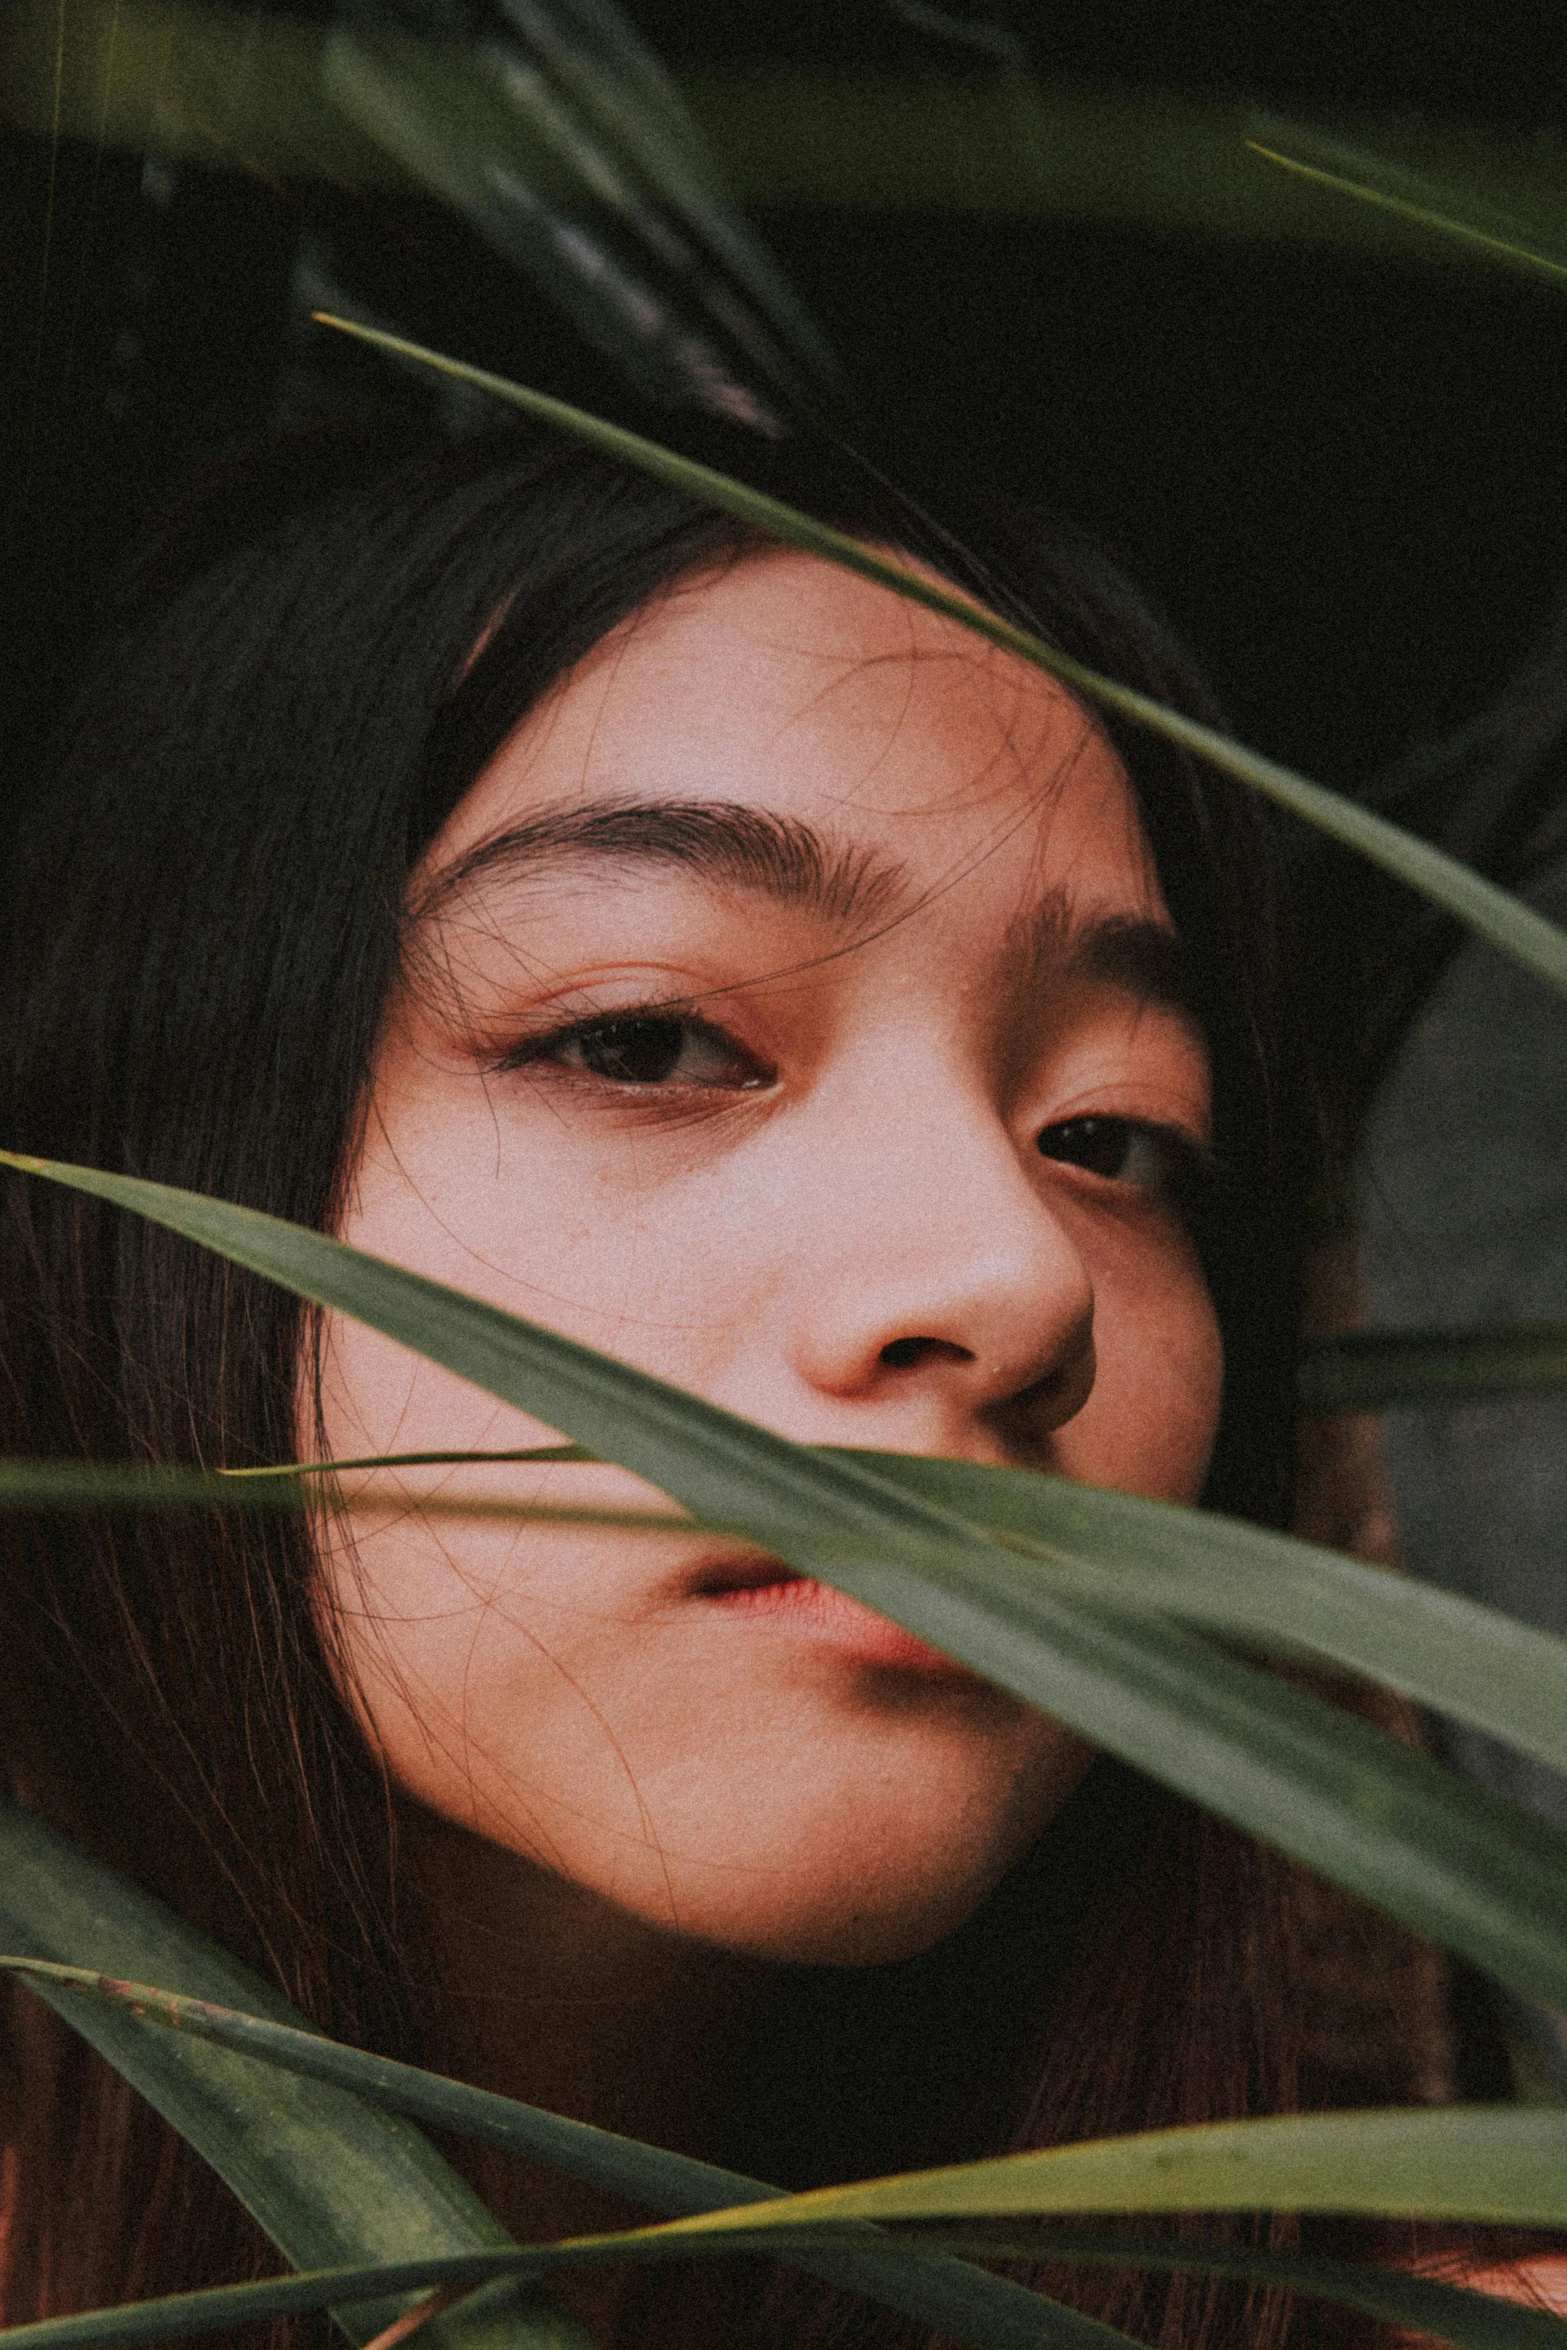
(958, 1200)
(939, 1234)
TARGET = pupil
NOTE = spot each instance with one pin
(633, 1052)
(1099, 1144)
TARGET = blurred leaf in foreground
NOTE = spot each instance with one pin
(1391, 187)
(1371, 1370)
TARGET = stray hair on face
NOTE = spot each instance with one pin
(793, 863)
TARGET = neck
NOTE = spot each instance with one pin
(548, 1993)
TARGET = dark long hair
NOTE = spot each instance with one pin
(204, 925)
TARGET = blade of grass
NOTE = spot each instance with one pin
(1448, 1858)
(1312, 2148)
(97, 1485)
(218, 2308)
(1373, 1370)
(1488, 2163)
(1393, 188)
(1417, 2304)
(671, 2183)
(413, 1460)
(1506, 921)
(1273, 1590)
(1113, 1550)
(1472, 2320)
(990, 2313)
(332, 2180)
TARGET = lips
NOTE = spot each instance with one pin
(763, 1591)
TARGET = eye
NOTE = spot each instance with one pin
(1123, 1150)
(645, 1048)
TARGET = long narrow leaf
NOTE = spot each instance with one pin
(1370, 1370)
(1482, 2167)
(988, 2312)
(1445, 1856)
(1473, 2321)
(674, 2183)
(1487, 2163)
(100, 1485)
(1417, 2304)
(1114, 1550)
(332, 2180)
(1270, 1590)
(217, 2308)
(533, 1453)
(1491, 912)
(1391, 187)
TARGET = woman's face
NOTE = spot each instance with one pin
(793, 1013)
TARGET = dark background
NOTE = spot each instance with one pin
(1345, 474)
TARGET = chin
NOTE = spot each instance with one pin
(859, 1924)
(888, 1893)
(865, 1935)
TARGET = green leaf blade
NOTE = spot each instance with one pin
(1274, 1590)
(1469, 2319)
(1421, 2305)
(333, 2182)
(1392, 188)
(1502, 2164)
(1115, 1550)
(1474, 1872)
(987, 2312)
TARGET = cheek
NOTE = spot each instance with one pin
(760, 1797)
(1150, 1423)
(614, 1238)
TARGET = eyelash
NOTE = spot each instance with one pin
(1186, 1174)
(661, 1025)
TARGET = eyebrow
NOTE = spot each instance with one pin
(799, 866)
(723, 841)
(1142, 958)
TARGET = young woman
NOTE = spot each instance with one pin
(534, 879)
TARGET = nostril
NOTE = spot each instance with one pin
(900, 1353)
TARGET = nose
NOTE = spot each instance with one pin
(941, 1285)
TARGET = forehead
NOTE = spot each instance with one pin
(785, 683)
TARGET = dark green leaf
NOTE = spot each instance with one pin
(1448, 1858)
(1371, 1370)
(218, 2308)
(1488, 2163)
(1391, 187)
(1418, 2304)
(1269, 1590)
(1473, 2320)
(991, 2313)
(97, 1485)
(333, 2181)
(1115, 1550)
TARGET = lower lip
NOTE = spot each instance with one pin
(817, 1612)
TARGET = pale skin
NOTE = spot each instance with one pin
(850, 1087)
